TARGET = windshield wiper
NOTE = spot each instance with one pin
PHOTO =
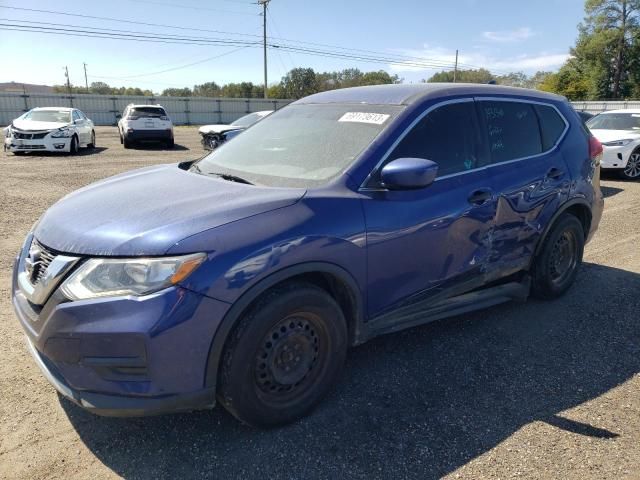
(231, 178)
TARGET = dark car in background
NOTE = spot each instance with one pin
(244, 277)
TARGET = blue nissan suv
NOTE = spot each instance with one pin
(244, 277)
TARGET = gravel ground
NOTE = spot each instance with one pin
(533, 390)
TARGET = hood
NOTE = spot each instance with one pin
(38, 126)
(611, 135)
(147, 211)
(220, 128)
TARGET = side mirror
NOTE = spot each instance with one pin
(77, 120)
(408, 173)
(118, 116)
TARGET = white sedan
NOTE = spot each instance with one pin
(50, 129)
(619, 133)
(215, 135)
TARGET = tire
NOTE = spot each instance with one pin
(170, 143)
(556, 265)
(73, 148)
(632, 170)
(92, 144)
(120, 138)
(284, 355)
(127, 143)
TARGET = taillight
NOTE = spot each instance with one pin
(595, 149)
(164, 117)
(132, 117)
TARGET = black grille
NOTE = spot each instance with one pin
(29, 136)
(46, 257)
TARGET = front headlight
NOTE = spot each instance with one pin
(64, 132)
(618, 143)
(105, 277)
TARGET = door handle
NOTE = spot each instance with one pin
(555, 173)
(480, 197)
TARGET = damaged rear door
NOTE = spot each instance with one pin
(428, 244)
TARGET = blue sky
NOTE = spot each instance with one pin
(500, 35)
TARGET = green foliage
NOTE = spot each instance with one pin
(605, 61)
(462, 76)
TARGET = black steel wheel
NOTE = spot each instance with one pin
(284, 355)
(555, 267)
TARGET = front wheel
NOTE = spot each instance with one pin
(283, 356)
(73, 148)
(632, 170)
(556, 265)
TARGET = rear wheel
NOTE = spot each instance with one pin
(554, 269)
(127, 143)
(170, 143)
(632, 170)
(283, 356)
(92, 144)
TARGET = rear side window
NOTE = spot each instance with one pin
(551, 125)
(512, 129)
(448, 136)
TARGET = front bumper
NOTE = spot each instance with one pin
(124, 356)
(46, 144)
(616, 157)
(121, 406)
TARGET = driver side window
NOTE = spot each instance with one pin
(447, 135)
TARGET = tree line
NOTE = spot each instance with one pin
(297, 83)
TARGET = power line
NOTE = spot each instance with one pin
(217, 10)
(145, 37)
(402, 57)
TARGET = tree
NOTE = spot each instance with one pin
(617, 21)
(177, 92)
(604, 61)
(463, 76)
(299, 83)
(100, 88)
(208, 89)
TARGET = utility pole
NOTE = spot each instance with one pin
(264, 40)
(455, 69)
(66, 74)
(86, 83)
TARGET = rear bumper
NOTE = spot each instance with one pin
(141, 135)
(121, 406)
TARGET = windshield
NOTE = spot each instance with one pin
(300, 145)
(62, 116)
(247, 120)
(615, 121)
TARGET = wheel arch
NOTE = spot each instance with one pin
(335, 280)
(578, 207)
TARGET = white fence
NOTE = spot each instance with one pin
(102, 109)
(599, 107)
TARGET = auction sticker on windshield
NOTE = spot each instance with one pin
(364, 117)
